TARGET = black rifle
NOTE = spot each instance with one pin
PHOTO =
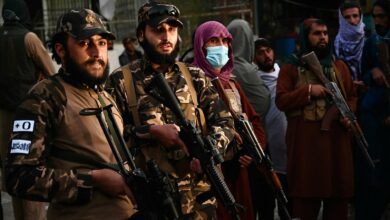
(312, 62)
(252, 146)
(153, 194)
(202, 149)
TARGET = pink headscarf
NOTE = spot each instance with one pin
(203, 33)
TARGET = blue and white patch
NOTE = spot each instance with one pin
(19, 146)
(23, 126)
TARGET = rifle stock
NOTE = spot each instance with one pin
(312, 62)
(202, 149)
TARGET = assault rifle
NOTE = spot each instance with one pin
(154, 194)
(202, 149)
(312, 62)
(252, 146)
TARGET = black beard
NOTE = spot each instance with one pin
(158, 58)
(78, 74)
(380, 30)
(321, 52)
(266, 67)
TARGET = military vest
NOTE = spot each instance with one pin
(317, 107)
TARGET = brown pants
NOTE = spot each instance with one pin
(23, 209)
(308, 208)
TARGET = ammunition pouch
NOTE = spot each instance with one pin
(314, 111)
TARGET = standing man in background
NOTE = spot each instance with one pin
(320, 163)
(23, 62)
(349, 42)
(130, 53)
(275, 120)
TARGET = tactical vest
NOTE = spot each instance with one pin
(177, 164)
(317, 107)
(17, 70)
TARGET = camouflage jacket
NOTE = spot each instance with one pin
(151, 111)
(47, 127)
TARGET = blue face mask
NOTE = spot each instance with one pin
(217, 56)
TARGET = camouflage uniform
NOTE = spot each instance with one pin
(47, 127)
(152, 112)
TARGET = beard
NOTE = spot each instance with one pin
(266, 66)
(380, 30)
(320, 51)
(80, 74)
(158, 58)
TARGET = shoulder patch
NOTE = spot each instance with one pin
(23, 126)
(19, 146)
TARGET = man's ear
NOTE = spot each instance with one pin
(141, 36)
(60, 50)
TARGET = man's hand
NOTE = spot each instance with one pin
(319, 91)
(346, 123)
(111, 183)
(245, 160)
(168, 136)
(195, 165)
(379, 77)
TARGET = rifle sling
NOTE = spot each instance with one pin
(187, 76)
(130, 93)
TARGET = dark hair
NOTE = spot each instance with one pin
(126, 40)
(384, 4)
(60, 38)
(348, 5)
(308, 23)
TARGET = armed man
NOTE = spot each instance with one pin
(156, 134)
(55, 154)
(303, 97)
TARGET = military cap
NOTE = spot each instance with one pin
(82, 24)
(156, 13)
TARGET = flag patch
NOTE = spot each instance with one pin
(19, 146)
(23, 126)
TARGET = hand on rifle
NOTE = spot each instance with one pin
(111, 183)
(319, 91)
(168, 136)
(195, 165)
(245, 160)
(346, 122)
(379, 77)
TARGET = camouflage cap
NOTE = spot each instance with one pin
(155, 14)
(82, 24)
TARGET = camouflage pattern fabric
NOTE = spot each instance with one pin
(151, 111)
(48, 120)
